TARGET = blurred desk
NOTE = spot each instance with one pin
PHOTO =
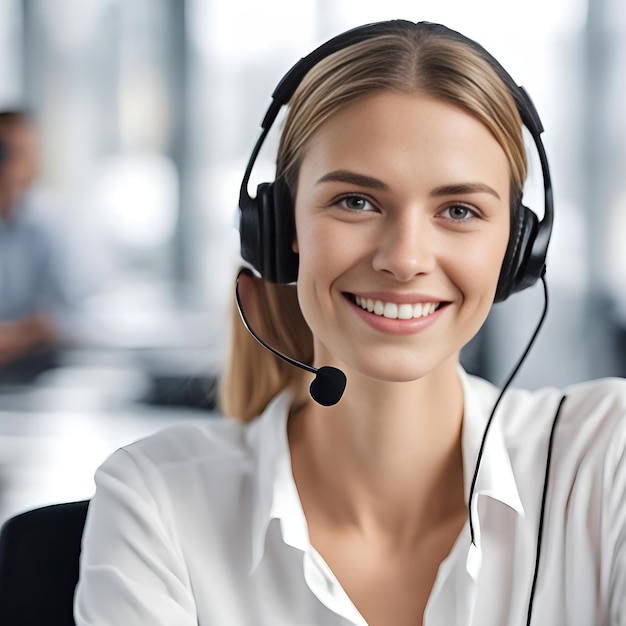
(55, 432)
(51, 456)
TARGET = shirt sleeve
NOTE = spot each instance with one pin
(132, 569)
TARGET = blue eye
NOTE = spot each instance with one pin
(355, 203)
(459, 213)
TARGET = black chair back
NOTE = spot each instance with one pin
(39, 555)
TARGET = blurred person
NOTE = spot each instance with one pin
(35, 290)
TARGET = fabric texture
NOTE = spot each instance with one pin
(202, 523)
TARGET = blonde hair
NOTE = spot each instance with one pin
(409, 60)
(253, 376)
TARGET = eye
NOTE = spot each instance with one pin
(354, 203)
(459, 213)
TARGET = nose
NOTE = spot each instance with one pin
(406, 246)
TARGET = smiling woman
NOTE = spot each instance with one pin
(373, 216)
(397, 213)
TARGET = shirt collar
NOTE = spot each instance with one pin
(495, 478)
(276, 495)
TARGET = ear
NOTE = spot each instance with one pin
(294, 245)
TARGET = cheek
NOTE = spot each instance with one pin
(318, 251)
(476, 269)
(309, 240)
(323, 260)
(490, 262)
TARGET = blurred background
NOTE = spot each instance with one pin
(145, 113)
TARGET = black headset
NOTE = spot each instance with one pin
(267, 223)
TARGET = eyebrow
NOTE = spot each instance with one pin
(463, 188)
(361, 180)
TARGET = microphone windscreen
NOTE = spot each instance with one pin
(328, 385)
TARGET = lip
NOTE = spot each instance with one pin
(397, 326)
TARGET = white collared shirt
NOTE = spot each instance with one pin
(202, 524)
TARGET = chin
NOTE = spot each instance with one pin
(403, 370)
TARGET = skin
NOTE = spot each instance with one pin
(20, 168)
(17, 173)
(403, 198)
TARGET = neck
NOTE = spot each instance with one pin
(382, 442)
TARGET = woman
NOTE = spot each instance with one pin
(397, 211)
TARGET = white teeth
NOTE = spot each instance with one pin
(391, 310)
(405, 312)
(394, 311)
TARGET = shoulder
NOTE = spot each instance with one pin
(197, 479)
(601, 402)
(185, 475)
(215, 457)
(41, 219)
(591, 414)
(594, 422)
(186, 448)
(592, 405)
(586, 421)
(603, 397)
(32, 232)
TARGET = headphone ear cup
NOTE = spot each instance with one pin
(267, 232)
(517, 273)
(250, 230)
(286, 261)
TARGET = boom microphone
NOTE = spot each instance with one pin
(329, 383)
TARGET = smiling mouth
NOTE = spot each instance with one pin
(394, 311)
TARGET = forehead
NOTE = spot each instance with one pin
(407, 135)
